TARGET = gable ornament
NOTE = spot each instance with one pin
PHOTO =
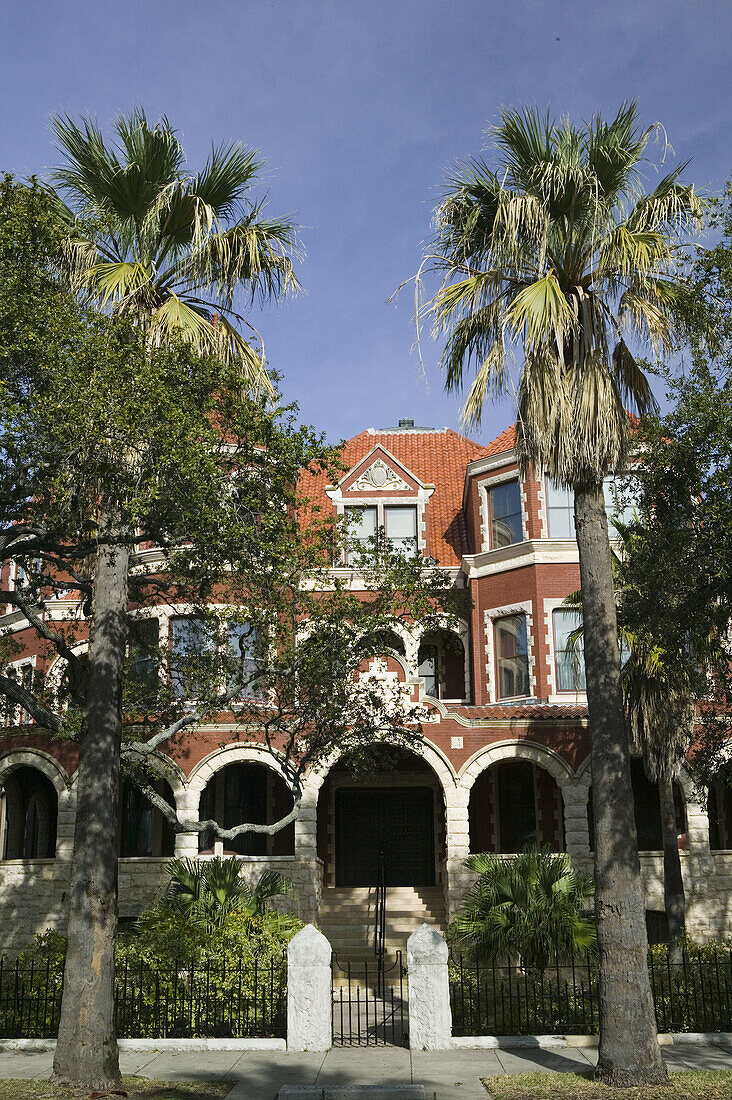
(379, 477)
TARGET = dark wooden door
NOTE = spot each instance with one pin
(396, 820)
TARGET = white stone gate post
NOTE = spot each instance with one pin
(309, 1004)
(430, 1016)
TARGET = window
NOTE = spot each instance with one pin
(512, 657)
(560, 511)
(192, 645)
(504, 512)
(362, 523)
(400, 528)
(144, 640)
(569, 659)
(242, 665)
(399, 523)
(621, 501)
(13, 713)
(427, 669)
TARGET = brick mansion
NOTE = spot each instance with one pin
(502, 761)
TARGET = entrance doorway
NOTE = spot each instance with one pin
(398, 821)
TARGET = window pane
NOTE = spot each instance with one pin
(512, 658)
(191, 644)
(428, 669)
(560, 511)
(504, 503)
(401, 529)
(361, 528)
(243, 639)
(570, 660)
(144, 651)
(621, 500)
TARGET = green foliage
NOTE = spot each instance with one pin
(533, 906)
(207, 905)
(146, 239)
(557, 252)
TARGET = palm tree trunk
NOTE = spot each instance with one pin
(629, 1053)
(86, 1052)
(673, 882)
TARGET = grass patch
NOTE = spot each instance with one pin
(16, 1089)
(689, 1085)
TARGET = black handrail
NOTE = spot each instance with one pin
(380, 921)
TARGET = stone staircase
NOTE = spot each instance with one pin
(347, 919)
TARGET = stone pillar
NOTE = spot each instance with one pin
(576, 829)
(186, 844)
(458, 848)
(309, 1002)
(430, 1018)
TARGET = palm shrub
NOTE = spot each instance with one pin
(533, 906)
(559, 253)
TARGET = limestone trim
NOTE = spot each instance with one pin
(530, 751)
(484, 487)
(230, 754)
(559, 698)
(42, 761)
(65, 789)
(520, 607)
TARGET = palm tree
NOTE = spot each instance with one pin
(658, 696)
(207, 893)
(170, 251)
(167, 248)
(533, 905)
(560, 254)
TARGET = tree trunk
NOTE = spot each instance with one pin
(673, 883)
(86, 1052)
(629, 1053)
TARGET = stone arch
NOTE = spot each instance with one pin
(405, 808)
(647, 810)
(207, 782)
(31, 807)
(515, 796)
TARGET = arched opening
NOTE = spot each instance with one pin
(391, 802)
(144, 830)
(441, 661)
(381, 642)
(719, 810)
(28, 815)
(247, 792)
(515, 804)
(647, 809)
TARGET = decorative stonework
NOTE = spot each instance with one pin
(379, 478)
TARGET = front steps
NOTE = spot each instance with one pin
(347, 916)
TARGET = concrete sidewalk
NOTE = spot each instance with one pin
(446, 1075)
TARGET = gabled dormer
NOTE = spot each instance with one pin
(385, 495)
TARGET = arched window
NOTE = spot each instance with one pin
(143, 830)
(647, 808)
(441, 661)
(28, 815)
(248, 792)
(514, 805)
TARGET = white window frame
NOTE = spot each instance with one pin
(15, 715)
(380, 505)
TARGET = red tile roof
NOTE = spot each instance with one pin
(436, 457)
(506, 441)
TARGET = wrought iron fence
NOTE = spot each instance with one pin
(370, 1003)
(694, 995)
(238, 997)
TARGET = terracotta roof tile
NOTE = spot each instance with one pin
(436, 457)
(520, 710)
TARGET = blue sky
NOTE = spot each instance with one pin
(361, 108)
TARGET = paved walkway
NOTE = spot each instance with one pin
(446, 1075)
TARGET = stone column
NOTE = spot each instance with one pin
(576, 829)
(309, 1003)
(458, 848)
(430, 1018)
(186, 844)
